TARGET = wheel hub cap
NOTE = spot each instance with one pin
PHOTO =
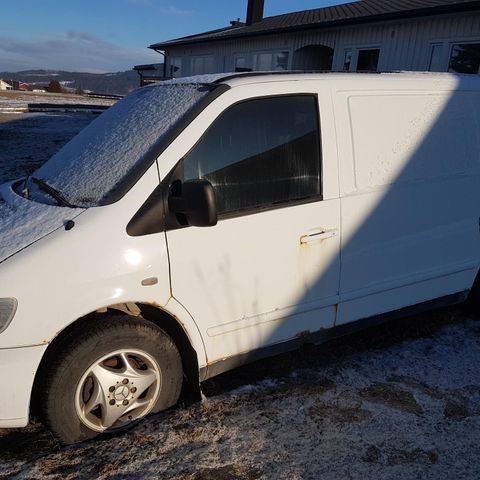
(121, 393)
(117, 389)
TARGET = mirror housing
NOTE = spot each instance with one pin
(194, 200)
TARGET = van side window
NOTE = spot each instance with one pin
(261, 153)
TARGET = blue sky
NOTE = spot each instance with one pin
(111, 35)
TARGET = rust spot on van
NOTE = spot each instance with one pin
(153, 303)
(303, 333)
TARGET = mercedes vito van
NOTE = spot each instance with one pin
(204, 222)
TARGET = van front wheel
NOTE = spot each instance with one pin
(108, 376)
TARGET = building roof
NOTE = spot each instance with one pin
(346, 14)
(149, 66)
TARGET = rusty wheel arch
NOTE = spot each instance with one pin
(153, 313)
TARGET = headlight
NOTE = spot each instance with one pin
(8, 307)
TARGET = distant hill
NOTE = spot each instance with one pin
(119, 83)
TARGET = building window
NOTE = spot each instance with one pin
(368, 60)
(465, 58)
(267, 61)
(202, 64)
(175, 67)
(435, 64)
(241, 64)
(261, 153)
(347, 59)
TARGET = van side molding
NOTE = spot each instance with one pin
(325, 335)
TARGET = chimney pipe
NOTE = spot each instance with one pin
(255, 11)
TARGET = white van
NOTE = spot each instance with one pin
(202, 223)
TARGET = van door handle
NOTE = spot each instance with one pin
(318, 234)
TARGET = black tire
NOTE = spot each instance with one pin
(82, 348)
(473, 301)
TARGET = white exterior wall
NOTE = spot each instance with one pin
(5, 85)
(404, 45)
(407, 45)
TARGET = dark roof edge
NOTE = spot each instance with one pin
(423, 12)
(188, 38)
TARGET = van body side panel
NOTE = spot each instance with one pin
(71, 273)
(18, 366)
(411, 204)
(249, 282)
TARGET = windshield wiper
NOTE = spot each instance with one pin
(55, 194)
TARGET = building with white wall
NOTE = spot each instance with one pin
(5, 85)
(367, 35)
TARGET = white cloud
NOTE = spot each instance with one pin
(70, 50)
(172, 10)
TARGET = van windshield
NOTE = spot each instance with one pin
(120, 142)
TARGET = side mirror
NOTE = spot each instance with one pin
(193, 202)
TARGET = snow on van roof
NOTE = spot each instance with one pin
(200, 79)
(102, 155)
(292, 75)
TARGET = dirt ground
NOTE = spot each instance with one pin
(401, 401)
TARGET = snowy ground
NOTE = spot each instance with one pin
(16, 98)
(30, 139)
(401, 401)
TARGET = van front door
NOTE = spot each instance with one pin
(269, 270)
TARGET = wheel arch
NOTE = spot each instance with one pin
(136, 310)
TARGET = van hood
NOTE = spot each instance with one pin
(23, 221)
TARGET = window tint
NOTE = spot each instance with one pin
(465, 58)
(260, 152)
(201, 64)
(241, 64)
(266, 61)
(368, 60)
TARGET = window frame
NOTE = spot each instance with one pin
(433, 46)
(172, 65)
(276, 205)
(448, 43)
(203, 58)
(367, 49)
(348, 51)
(245, 56)
(452, 45)
(355, 49)
(253, 53)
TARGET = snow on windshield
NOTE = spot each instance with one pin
(87, 168)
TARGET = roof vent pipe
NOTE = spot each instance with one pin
(255, 11)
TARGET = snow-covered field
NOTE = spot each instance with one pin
(401, 401)
(18, 99)
(29, 140)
